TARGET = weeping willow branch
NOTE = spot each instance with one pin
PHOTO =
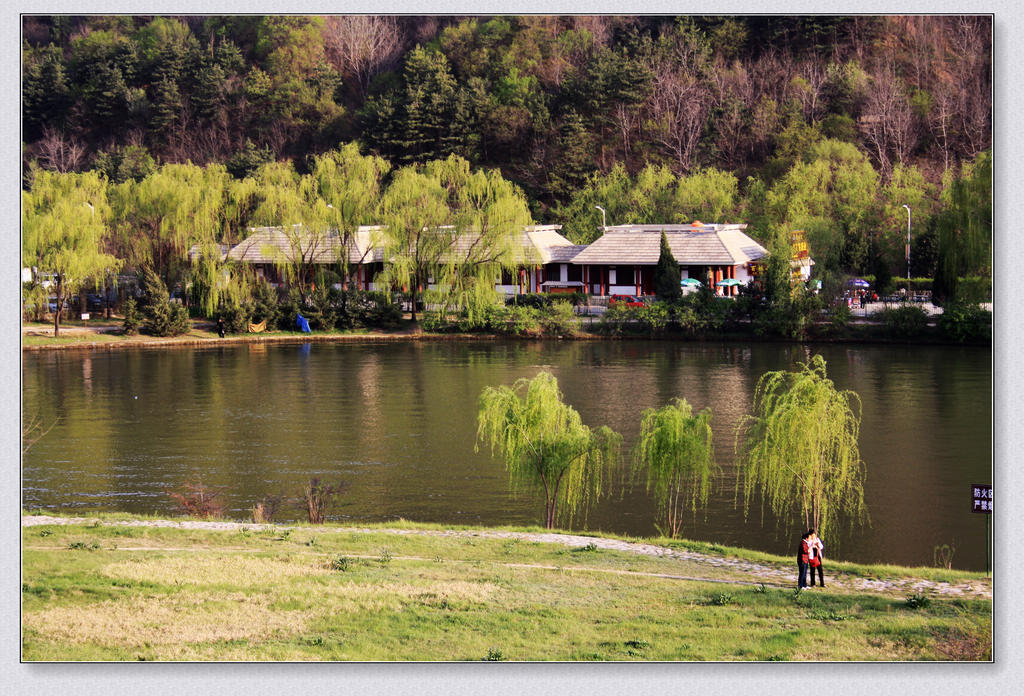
(799, 451)
(545, 445)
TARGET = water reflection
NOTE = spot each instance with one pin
(397, 421)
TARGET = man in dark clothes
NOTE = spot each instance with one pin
(802, 557)
(220, 327)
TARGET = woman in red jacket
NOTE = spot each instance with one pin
(816, 547)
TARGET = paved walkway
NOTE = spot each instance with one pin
(769, 574)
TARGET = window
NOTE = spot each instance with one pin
(624, 275)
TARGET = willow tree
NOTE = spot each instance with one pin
(162, 217)
(351, 185)
(414, 209)
(63, 220)
(545, 445)
(487, 218)
(799, 450)
(292, 203)
(675, 448)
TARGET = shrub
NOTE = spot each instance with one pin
(289, 307)
(341, 564)
(385, 556)
(166, 319)
(559, 319)
(162, 317)
(964, 322)
(917, 601)
(840, 316)
(617, 319)
(653, 317)
(265, 510)
(721, 599)
(377, 309)
(132, 318)
(264, 304)
(196, 500)
(235, 317)
(318, 496)
(904, 321)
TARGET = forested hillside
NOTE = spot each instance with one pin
(829, 124)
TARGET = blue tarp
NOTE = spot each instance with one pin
(302, 323)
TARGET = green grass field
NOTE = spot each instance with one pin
(97, 591)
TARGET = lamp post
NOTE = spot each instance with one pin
(908, 246)
(604, 218)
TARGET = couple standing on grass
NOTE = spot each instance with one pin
(808, 556)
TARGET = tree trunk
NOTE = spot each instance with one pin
(60, 304)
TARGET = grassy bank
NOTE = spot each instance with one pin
(100, 590)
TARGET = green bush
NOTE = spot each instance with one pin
(617, 319)
(377, 309)
(558, 319)
(974, 290)
(904, 321)
(166, 319)
(264, 304)
(963, 322)
(653, 317)
(235, 317)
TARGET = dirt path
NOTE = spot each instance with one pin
(769, 574)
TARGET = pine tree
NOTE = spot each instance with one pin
(666, 274)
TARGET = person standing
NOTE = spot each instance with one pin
(220, 327)
(816, 549)
(802, 557)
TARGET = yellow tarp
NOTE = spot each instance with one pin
(258, 328)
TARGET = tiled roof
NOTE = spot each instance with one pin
(691, 245)
(274, 245)
(537, 244)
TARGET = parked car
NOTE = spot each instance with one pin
(627, 300)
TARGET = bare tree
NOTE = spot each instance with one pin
(58, 152)
(679, 106)
(360, 46)
(888, 123)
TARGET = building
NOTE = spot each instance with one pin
(622, 261)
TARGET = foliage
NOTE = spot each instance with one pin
(545, 444)
(666, 274)
(965, 228)
(799, 452)
(559, 320)
(917, 601)
(161, 316)
(904, 321)
(675, 448)
(966, 322)
(132, 320)
(63, 222)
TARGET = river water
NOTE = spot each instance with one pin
(397, 423)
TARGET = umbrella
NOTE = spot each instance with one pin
(728, 283)
(689, 281)
(858, 283)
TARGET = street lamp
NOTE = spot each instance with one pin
(908, 246)
(604, 218)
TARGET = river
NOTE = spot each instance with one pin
(397, 423)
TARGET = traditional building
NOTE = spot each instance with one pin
(623, 259)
